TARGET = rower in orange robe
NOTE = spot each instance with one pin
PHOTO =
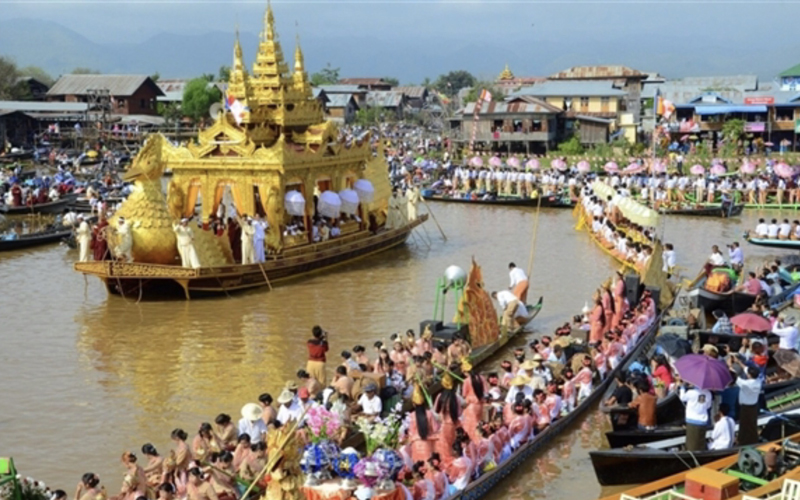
(597, 322)
(608, 303)
(472, 391)
(449, 412)
(422, 428)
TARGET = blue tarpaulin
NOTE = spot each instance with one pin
(724, 109)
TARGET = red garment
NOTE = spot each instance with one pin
(16, 195)
(99, 242)
(663, 374)
(235, 239)
(317, 350)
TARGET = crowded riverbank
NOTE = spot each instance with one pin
(151, 367)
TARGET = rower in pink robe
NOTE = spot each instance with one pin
(520, 428)
(459, 472)
(619, 301)
(608, 305)
(421, 446)
(472, 390)
(449, 411)
(597, 322)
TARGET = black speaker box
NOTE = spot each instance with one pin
(632, 289)
(655, 292)
(435, 325)
(449, 331)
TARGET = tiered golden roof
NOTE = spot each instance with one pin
(506, 74)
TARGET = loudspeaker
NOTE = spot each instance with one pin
(632, 289)
(435, 326)
(655, 292)
(449, 331)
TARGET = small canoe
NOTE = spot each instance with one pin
(764, 242)
(551, 201)
(663, 458)
(731, 301)
(35, 239)
(734, 211)
(52, 207)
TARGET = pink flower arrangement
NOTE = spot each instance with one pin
(322, 424)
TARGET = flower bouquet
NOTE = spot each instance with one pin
(345, 466)
(322, 424)
(381, 433)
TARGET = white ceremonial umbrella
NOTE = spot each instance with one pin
(329, 204)
(295, 203)
(350, 201)
(365, 190)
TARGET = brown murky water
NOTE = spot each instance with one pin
(86, 375)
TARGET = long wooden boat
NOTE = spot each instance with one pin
(39, 208)
(764, 242)
(655, 460)
(583, 223)
(480, 487)
(672, 487)
(35, 239)
(134, 278)
(549, 201)
(734, 211)
(732, 302)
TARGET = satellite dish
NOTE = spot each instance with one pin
(215, 111)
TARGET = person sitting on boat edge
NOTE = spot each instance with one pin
(723, 435)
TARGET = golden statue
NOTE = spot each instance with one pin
(286, 477)
(476, 309)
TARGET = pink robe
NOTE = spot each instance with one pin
(619, 303)
(421, 449)
(520, 430)
(473, 412)
(608, 313)
(439, 480)
(447, 435)
(459, 472)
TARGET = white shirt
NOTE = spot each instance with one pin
(517, 275)
(698, 402)
(371, 407)
(788, 335)
(722, 436)
(254, 429)
(772, 230)
(749, 390)
(512, 393)
(784, 229)
(504, 297)
(716, 259)
(291, 412)
(669, 259)
(761, 229)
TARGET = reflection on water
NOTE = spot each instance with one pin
(88, 375)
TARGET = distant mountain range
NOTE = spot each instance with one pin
(58, 50)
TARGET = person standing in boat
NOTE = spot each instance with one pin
(99, 239)
(519, 282)
(84, 236)
(422, 427)
(186, 248)
(749, 384)
(259, 235)
(317, 347)
(247, 241)
(473, 391)
(124, 249)
(698, 403)
(448, 410)
(413, 196)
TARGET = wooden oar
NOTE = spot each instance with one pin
(433, 216)
(266, 278)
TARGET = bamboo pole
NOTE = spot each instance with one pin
(266, 278)
(433, 216)
(533, 241)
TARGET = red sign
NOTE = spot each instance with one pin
(759, 100)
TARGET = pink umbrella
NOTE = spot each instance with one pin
(583, 166)
(784, 170)
(476, 161)
(532, 164)
(513, 162)
(748, 168)
(495, 161)
(559, 164)
(611, 167)
(717, 169)
(716, 161)
(697, 170)
(633, 168)
(659, 167)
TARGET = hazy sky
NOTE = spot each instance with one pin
(763, 34)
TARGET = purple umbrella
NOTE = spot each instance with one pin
(703, 372)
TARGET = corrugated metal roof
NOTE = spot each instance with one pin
(793, 71)
(518, 106)
(339, 100)
(54, 107)
(342, 89)
(570, 88)
(412, 92)
(119, 85)
(384, 99)
(363, 81)
(682, 91)
(591, 72)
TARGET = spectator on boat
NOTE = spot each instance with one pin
(716, 259)
(723, 324)
(134, 483)
(89, 488)
(268, 413)
(736, 256)
(152, 470)
(251, 422)
(761, 229)
(317, 347)
(83, 234)
(661, 371)
(773, 229)
(722, 437)
(751, 285)
(750, 384)
(645, 404)
(199, 488)
(622, 395)
(311, 384)
(519, 282)
(710, 350)
(370, 405)
(289, 405)
(697, 402)
(204, 443)
(786, 329)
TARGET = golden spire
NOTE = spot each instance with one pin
(506, 74)
(238, 60)
(269, 23)
(299, 65)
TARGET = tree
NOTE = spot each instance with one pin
(8, 78)
(325, 76)
(427, 82)
(373, 115)
(198, 96)
(473, 94)
(454, 81)
(394, 82)
(37, 73)
(224, 73)
(571, 147)
(155, 76)
(80, 70)
(733, 130)
(171, 111)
